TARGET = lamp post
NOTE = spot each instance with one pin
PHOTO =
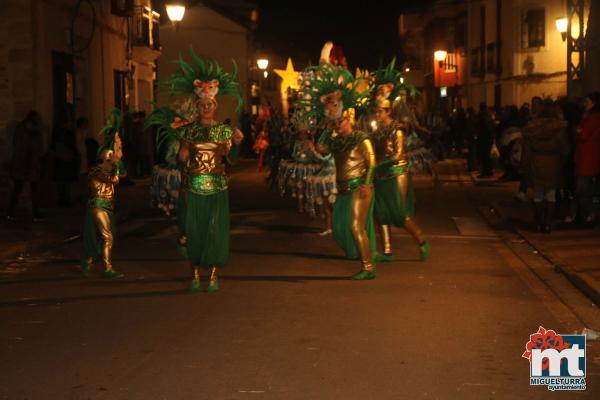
(571, 28)
(175, 11)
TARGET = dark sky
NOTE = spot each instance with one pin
(366, 33)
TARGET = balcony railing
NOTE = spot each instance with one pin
(145, 27)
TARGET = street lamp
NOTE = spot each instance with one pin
(262, 63)
(562, 25)
(440, 56)
(175, 11)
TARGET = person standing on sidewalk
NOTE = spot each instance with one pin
(394, 195)
(99, 228)
(587, 161)
(545, 149)
(26, 164)
(485, 139)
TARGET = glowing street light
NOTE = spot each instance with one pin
(561, 25)
(440, 55)
(262, 63)
(175, 11)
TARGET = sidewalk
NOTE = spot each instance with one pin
(60, 225)
(574, 251)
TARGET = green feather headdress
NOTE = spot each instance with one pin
(327, 79)
(161, 119)
(392, 78)
(112, 126)
(199, 78)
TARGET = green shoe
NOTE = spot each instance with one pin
(194, 286)
(213, 286)
(378, 257)
(85, 268)
(425, 248)
(364, 275)
(112, 274)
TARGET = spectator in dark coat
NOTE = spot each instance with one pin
(545, 148)
(587, 160)
(26, 163)
(66, 159)
(471, 139)
(485, 139)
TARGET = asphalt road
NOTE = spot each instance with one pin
(288, 322)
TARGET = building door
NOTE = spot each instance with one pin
(121, 90)
(63, 93)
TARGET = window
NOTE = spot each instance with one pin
(121, 80)
(146, 27)
(535, 28)
(475, 62)
(450, 63)
(491, 57)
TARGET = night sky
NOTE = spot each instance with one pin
(299, 29)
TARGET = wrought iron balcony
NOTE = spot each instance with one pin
(145, 28)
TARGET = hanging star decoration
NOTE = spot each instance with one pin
(289, 76)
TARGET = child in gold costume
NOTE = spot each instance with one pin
(99, 229)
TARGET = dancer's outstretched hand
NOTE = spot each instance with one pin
(238, 136)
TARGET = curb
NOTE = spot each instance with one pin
(583, 281)
(587, 284)
(14, 251)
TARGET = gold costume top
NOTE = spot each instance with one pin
(208, 148)
(390, 150)
(101, 184)
(354, 160)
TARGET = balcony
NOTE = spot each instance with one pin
(145, 34)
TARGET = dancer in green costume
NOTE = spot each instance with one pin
(99, 228)
(205, 147)
(394, 195)
(333, 98)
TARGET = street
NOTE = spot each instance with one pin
(288, 322)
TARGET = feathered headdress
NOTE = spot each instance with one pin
(387, 84)
(203, 78)
(329, 83)
(109, 133)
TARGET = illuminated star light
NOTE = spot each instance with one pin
(289, 76)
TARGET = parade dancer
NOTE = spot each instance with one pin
(333, 97)
(204, 145)
(394, 195)
(99, 228)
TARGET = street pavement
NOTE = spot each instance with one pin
(288, 322)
